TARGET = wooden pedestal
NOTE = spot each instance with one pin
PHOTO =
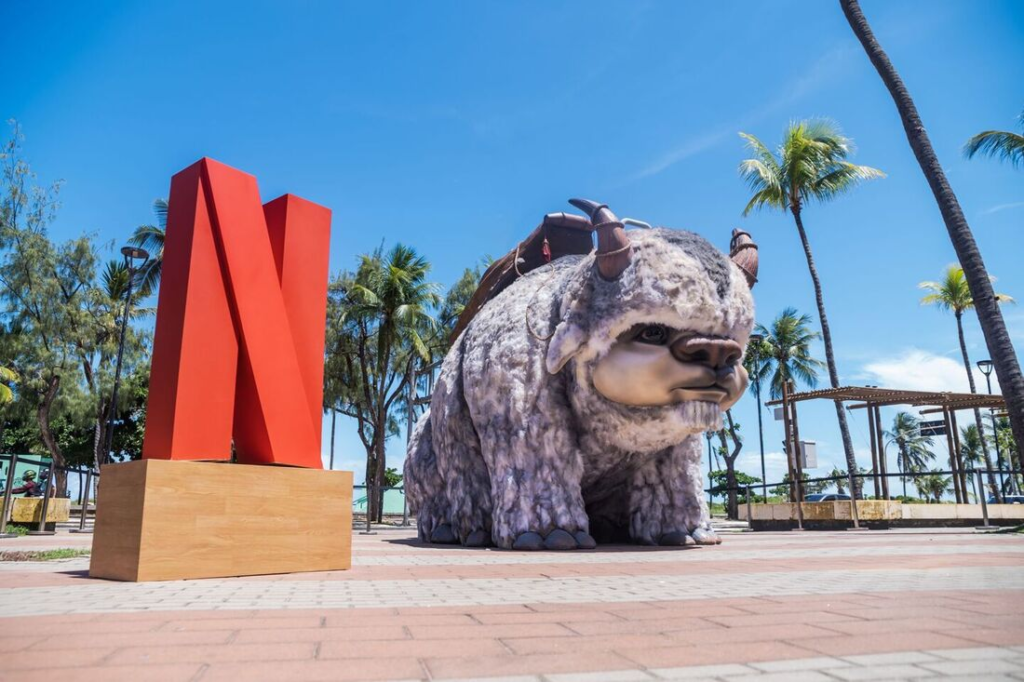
(172, 520)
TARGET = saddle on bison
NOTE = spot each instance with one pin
(559, 234)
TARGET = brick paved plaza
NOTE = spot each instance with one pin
(786, 606)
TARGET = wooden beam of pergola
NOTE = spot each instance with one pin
(983, 402)
(870, 396)
(956, 407)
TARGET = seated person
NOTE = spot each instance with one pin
(28, 485)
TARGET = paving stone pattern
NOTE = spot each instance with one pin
(767, 606)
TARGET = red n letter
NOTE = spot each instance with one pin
(241, 316)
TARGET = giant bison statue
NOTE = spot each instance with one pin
(570, 408)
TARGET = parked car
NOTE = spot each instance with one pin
(1008, 499)
(826, 497)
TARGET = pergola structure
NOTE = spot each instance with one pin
(872, 398)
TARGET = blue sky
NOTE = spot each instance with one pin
(454, 126)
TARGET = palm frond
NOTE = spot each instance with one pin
(951, 293)
(160, 209)
(763, 175)
(762, 153)
(844, 177)
(1000, 144)
(765, 198)
(787, 342)
(419, 346)
(148, 237)
(115, 280)
(810, 162)
(147, 277)
(364, 294)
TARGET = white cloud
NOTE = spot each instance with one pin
(689, 148)
(1002, 207)
(749, 462)
(919, 370)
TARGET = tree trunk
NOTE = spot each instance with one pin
(826, 337)
(1012, 460)
(733, 507)
(1015, 465)
(381, 481)
(731, 503)
(1008, 460)
(371, 469)
(43, 417)
(99, 437)
(997, 339)
(901, 464)
(992, 483)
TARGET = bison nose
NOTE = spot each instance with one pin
(711, 352)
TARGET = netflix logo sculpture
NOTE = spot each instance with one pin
(238, 361)
(238, 352)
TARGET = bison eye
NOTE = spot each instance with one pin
(653, 334)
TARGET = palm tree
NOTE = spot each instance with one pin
(754, 362)
(1000, 347)
(840, 479)
(390, 297)
(971, 448)
(1000, 143)
(809, 166)
(912, 447)
(932, 484)
(1003, 436)
(785, 353)
(151, 238)
(785, 356)
(952, 293)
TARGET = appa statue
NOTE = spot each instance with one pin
(571, 405)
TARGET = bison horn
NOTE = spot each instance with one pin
(614, 252)
(743, 252)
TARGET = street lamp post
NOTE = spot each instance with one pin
(131, 254)
(986, 368)
(756, 340)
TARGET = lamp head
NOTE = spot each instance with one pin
(985, 366)
(134, 253)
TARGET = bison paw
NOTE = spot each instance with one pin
(706, 536)
(682, 538)
(677, 538)
(528, 541)
(557, 539)
(444, 535)
(478, 538)
(584, 540)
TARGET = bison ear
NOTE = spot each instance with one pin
(565, 343)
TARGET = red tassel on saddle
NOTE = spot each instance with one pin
(545, 251)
